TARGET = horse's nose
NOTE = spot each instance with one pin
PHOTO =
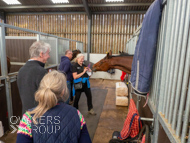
(93, 69)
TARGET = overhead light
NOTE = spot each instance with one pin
(114, 0)
(12, 2)
(60, 1)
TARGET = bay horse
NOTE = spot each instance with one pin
(122, 62)
(8, 65)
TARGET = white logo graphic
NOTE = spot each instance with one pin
(14, 128)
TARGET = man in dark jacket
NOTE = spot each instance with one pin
(65, 67)
(31, 73)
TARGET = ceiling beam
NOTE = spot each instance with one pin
(40, 6)
(119, 4)
(73, 5)
(119, 12)
(87, 9)
(77, 12)
(27, 13)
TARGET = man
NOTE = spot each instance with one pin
(65, 67)
(31, 73)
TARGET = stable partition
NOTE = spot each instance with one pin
(63, 45)
(17, 49)
(131, 43)
(53, 60)
(169, 96)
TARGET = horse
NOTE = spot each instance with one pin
(8, 65)
(122, 62)
(124, 54)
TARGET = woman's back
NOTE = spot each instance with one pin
(53, 121)
(59, 124)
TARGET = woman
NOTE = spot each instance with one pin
(52, 120)
(79, 74)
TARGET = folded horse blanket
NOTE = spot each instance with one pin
(145, 51)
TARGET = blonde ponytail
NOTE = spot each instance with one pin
(49, 93)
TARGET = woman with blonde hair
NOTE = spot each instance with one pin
(81, 83)
(53, 120)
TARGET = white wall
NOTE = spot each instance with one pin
(94, 58)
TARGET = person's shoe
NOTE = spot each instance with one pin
(92, 112)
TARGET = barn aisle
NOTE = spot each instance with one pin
(112, 117)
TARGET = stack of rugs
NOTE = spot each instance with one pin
(121, 94)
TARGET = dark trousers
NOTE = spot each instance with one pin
(88, 96)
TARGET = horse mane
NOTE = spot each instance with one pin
(122, 55)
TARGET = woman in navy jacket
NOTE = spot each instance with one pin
(53, 120)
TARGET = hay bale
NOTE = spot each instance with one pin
(121, 89)
(121, 101)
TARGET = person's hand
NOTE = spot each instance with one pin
(89, 70)
(85, 69)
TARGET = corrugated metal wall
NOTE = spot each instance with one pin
(109, 31)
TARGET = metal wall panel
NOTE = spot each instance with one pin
(18, 51)
(169, 98)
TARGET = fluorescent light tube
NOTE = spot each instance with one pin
(11, 2)
(114, 0)
(60, 1)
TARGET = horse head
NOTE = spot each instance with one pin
(103, 64)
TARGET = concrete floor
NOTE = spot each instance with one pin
(109, 117)
(112, 117)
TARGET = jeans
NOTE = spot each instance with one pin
(70, 93)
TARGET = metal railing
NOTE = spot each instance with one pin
(59, 46)
(169, 98)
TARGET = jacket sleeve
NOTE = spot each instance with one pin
(24, 133)
(84, 135)
(64, 67)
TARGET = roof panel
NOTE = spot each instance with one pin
(74, 6)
